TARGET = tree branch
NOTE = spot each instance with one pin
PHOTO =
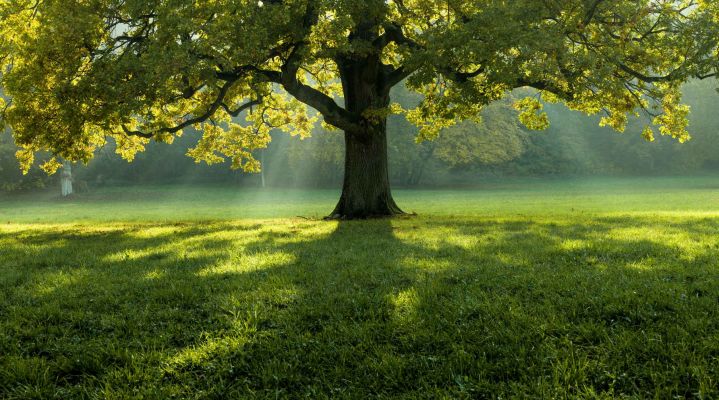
(393, 33)
(241, 108)
(647, 78)
(461, 77)
(707, 76)
(330, 110)
(219, 102)
(592, 11)
(545, 86)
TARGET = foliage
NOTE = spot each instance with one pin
(11, 179)
(498, 139)
(575, 145)
(78, 73)
(159, 163)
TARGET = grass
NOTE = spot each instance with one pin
(597, 289)
(496, 198)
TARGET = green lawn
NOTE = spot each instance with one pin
(523, 289)
(496, 198)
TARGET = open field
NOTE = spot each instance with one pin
(494, 198)
(590, 289)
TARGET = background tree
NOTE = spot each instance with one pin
(78, 73)
(317, 160)
(11, 179)
(66, 179)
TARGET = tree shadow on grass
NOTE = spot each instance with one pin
(403, 308)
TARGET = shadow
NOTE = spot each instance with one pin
(383, 308)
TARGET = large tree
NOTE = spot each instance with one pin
(80, 71)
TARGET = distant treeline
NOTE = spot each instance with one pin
(574, 145)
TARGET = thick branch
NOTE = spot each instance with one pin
(330, 110)
(393, 33)
(592, 11)
(287, 78)
(646, 78)
(545, 86)
(216, 104)
(332, 113)
(397, 75)
(241, 108)
(461, 77)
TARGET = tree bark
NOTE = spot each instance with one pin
(66, 179)
(366, 189)
(262, 169)
(426, 156)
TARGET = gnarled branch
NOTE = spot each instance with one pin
(216, 104)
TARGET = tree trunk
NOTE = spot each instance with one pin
(262, 169)
(366, 190)
(66, 179)
(425, 157)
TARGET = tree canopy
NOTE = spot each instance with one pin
(78, 72)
